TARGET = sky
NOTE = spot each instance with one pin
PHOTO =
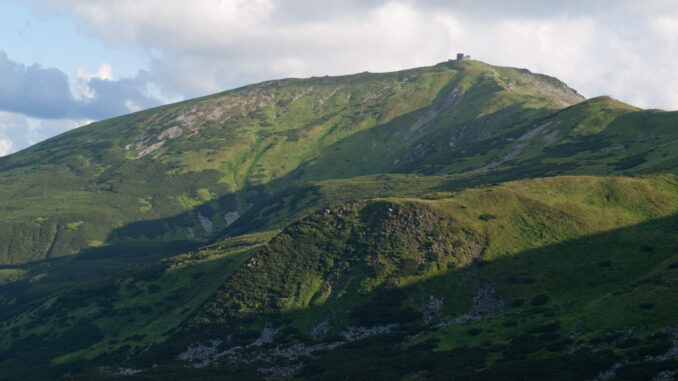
(67, 63)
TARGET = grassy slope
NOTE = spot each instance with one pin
(239, 147)
(587, 243)
(490, 222)
(577, 260)
(118, 314)
(235, 148)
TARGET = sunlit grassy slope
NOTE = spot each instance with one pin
(459, 221)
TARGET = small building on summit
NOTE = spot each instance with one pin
(462, 57)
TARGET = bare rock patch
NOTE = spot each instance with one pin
(172, 133)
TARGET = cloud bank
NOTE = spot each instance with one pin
(37, 102)
(5, 146)
(18, 131)
(626, 49)
(45, 93)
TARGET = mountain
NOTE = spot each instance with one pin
(189, 164)
(456, 221)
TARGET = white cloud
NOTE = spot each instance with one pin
(18, 131)
(666, 27)
(42, 129)
(81, 89)
(628, 50)
(131, 106)
(14, 131)
(41, 92)
(208, 46)
(5, 146)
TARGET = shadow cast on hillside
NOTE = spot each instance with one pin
(566, 277)
(537, 291)
(607, 259)
(91, 267)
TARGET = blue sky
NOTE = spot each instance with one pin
(53, 39)
(67, 63)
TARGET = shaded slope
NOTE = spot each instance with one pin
(598, 136)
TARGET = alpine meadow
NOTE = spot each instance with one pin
(461, 221)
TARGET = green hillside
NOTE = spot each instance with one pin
(459, 221)
(185, 166)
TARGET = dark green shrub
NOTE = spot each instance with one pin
(516, 279)
(628, 343)
(540, 300)
(474, 331)
(487, 217)
(517, 302)
(548, 327)
(557, 346)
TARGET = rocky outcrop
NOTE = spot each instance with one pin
(486, 303)
(172, 133)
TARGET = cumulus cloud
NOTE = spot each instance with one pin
(82, 88)
(117, 97)
(626, 50)
(207, 46)
(5, 146)
(616, 10)
(41, 92)
(18, 131)
(13, 128)
(33, 90)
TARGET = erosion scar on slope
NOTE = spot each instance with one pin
(523, 142)
(452, 100)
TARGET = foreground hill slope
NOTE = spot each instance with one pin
(545, 268)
